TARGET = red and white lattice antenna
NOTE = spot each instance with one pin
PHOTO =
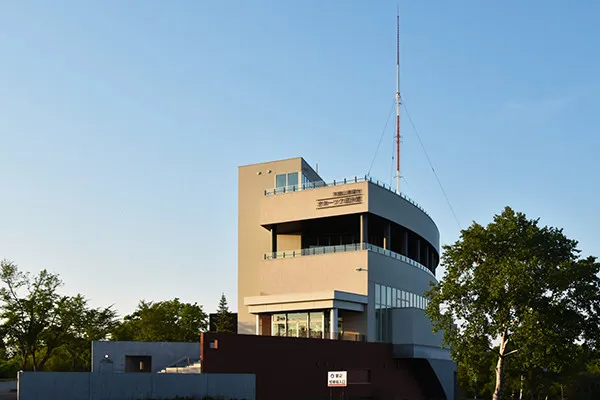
(398, 101)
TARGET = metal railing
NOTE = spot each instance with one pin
(343, 249)
(345, 181)
(313, 251)
(388, 253)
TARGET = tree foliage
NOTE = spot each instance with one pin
(37, 320)
(163, 321)
(224, 318)
(524, 288)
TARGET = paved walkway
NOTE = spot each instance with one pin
(5, 390)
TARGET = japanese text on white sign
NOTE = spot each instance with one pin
(336, 379)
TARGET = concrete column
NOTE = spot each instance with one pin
(427, 256)
(419, 251)
(387, 236)
(404, 245)
(274, 239)
(257, 324)
(333, 323)
(364, 228)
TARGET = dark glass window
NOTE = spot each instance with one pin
(292, 180)
(280, 181)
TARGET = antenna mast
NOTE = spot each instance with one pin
(398, 101)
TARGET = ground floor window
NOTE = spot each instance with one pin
(388, 298)
(308, 324)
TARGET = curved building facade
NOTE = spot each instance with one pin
(345, 260)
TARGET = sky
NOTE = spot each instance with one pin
(122, 124)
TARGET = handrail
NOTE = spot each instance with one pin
(312, 251)
(174, 364)
(345, 181)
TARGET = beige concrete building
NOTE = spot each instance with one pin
(345, 260)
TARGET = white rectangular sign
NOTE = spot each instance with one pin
(336, 379)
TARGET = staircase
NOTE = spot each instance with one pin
(182, 366)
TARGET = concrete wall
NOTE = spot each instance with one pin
(289, 242)
(95, 386)
(395, 273)
(162, 353)
(254, 240)
(412, 326)
(302, 205)
(296, 368)
(388, 205)
(334, 271)
(445, 372)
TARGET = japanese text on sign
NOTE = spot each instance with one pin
(341, 198)
(336, 379)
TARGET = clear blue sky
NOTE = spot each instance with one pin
(122, 124)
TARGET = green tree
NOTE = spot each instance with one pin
(521, 286)
(87, 324)
(163, 321)
(224, 318)
(30, 320)
(37, 320)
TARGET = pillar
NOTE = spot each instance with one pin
(274, 239)
(427, 256)
(257, 324)
(387, 236)
(364, 228)
(404, 245)
(333, 323)
(418, 259)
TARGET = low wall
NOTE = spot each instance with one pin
(163, 353)
(138, 386)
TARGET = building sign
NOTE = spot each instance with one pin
(336, 379)
(341, 198)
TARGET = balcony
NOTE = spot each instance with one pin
(345, 181)
(313, 251)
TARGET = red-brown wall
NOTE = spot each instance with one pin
(296, 368)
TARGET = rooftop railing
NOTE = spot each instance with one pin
(312, 251)
(345, 181)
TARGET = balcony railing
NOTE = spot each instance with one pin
(313, 251)
(345, 248)
(345, 181)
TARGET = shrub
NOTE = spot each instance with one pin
(9, 368)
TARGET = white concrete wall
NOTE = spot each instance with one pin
(96, 386)
(162, 353)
